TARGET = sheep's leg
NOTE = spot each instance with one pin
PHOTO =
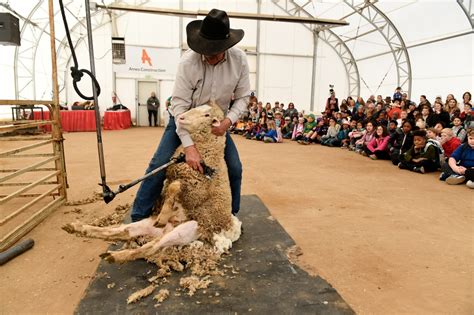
(122, 232)
(169, 208)
(136, 253)
(183, 234)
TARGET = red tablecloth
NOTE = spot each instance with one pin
(116, 120)
(74, 120)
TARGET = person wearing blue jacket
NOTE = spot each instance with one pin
(271, 136)
(460, 166)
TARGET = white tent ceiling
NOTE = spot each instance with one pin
(438, 68)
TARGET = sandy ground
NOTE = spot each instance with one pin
(389, 241)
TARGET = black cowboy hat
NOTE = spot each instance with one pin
(213, 34)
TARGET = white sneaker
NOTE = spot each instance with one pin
(470, 184)
(455, 179)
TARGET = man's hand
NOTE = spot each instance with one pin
(193, 158)
(222, 128)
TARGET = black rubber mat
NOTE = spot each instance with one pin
(267, 282)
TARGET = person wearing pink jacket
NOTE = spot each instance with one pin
(377, 148)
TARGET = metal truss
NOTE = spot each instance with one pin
(389, 32)
(331, 39)
(468, 8)
(25, 55)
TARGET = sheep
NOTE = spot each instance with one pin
(194, 207)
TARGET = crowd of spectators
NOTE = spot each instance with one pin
(422, 138)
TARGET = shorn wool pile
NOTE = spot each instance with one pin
(192, 225)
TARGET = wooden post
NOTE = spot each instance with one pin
(56, 126)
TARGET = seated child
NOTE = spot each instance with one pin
(248, 128)
(381, 119)
(345, 142)
(392, 127)
(401, 141)
(263, 130)
(330, 138)
(431, 134)
(422, 157)
(366, 138)
(271, 135)
(377, 148)
(458, 129)
(287, 129)
(239, 126)
(279, 121)
(449, 141)
(356, 134)
(460, 166)
(308, 126)
(319, 131)
(298, 130)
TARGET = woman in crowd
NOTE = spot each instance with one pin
(291, 111)
(450, 108)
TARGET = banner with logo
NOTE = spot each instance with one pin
(149, 61)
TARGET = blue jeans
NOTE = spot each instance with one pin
(150, 189)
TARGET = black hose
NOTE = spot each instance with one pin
(77, 73)
(16, 250)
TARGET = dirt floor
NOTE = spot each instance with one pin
(389, 241)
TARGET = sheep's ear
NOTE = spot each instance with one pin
(216, 122)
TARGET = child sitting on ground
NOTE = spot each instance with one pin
(460, 166)
(377, 148)
(298, 130)
(239, 126)
(271, 135)
(287, 129)
(308, 126)
(331, 135)
(422, 157)
(319, 131)
(366, 138)
(347, 140)
(449, 141)
(433, 138)
(356, 134)
(392, 127)
(433, 134)
(458, 129)
(401, 142)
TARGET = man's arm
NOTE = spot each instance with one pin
(241, 93)
(182, 99)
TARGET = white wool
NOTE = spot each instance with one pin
(223, 241)
(196, 244)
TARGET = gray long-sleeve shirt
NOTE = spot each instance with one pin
(198, 82)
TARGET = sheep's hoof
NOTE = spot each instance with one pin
(69, 228)
(107, 257)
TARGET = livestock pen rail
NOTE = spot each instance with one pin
(32, 184)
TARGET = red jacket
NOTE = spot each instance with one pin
(451, 145)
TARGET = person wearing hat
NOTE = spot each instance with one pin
(211, 70)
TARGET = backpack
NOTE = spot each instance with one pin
(440, 158)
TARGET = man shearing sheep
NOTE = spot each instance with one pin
(212, 70)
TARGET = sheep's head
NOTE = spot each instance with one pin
(201, 119)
